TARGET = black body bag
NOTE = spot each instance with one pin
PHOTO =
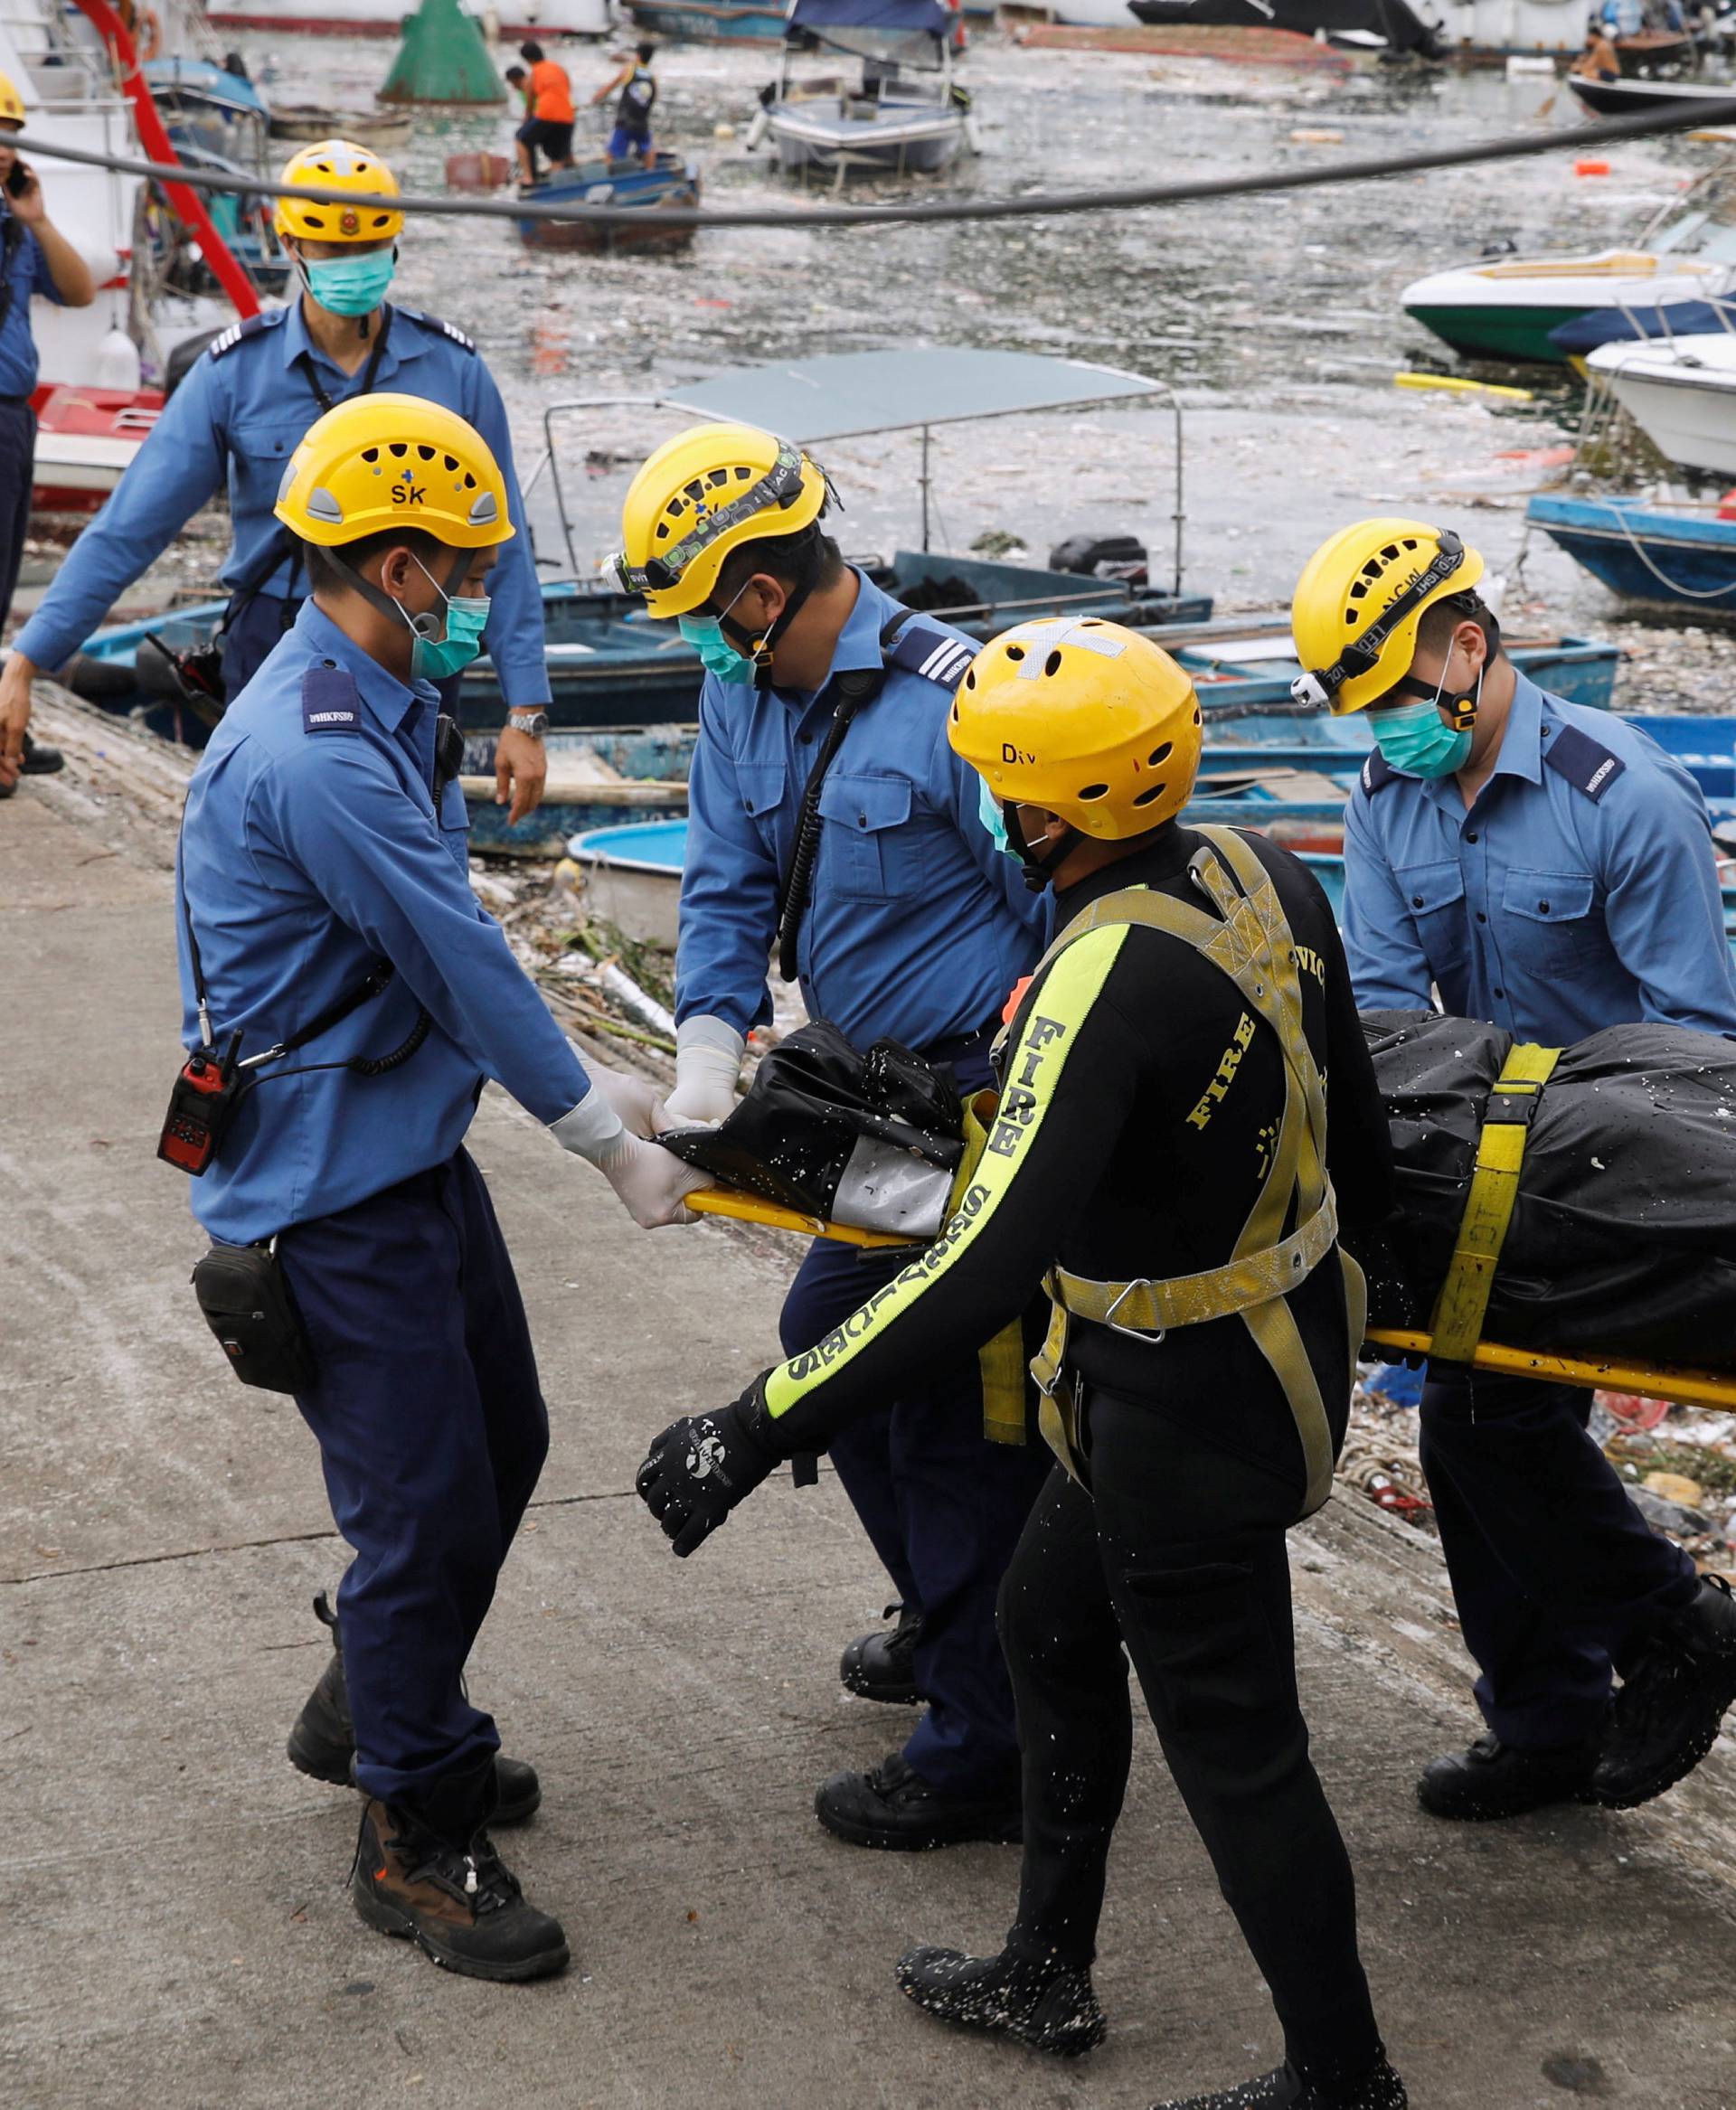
(868, 1140)
(249, 1305)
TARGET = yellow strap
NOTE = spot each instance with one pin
(1659, 1380)
(750, 1208)
(1193, 1300)
(1464, 1298)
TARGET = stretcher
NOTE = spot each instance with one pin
(1687, 1388)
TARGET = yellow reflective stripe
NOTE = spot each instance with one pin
(1053, 1020)
(1464, 1299)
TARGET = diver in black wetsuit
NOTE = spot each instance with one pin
(1160, 1164)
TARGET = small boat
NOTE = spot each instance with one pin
(905, 117)
(210, 105)
(1505, 306)
(1626, 99)
(381, 129)
(86, 439)
(709, 21)
(1679, 563)
(1378, 28)
(1650, 52)
(1681, 392)
(668, 182)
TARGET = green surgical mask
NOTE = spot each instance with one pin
(432, 659)
(988, 808)
(1417, 741)
(350, 285)
(717, 656)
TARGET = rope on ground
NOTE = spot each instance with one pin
(1038, 205)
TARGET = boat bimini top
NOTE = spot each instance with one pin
(848, 395)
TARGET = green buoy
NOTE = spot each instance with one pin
(443, 58)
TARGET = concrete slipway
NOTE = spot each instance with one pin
(173, 1929)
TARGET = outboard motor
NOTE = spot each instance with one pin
(1122, 557)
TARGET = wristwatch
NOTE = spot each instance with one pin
(534, 721)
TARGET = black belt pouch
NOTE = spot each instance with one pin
(248, 1304)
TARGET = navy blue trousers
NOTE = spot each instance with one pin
(944, 1509)
(17, 459)
(431, 1432)
(1554, 1571)
(253, 631)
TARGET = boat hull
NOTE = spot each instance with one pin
(1662, 561)
(1681, 393)
(648, 193)
(385, 18)
(809, 140)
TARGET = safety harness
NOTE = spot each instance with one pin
(1246, 935)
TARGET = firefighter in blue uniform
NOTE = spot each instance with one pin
(35, 258)
(238, 417)
(325, 902)
(891, 903)
(1549, 868)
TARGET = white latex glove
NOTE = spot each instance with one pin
(708, 1062)
(649, 1180)
(634, 1100)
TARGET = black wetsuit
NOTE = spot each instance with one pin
(1144, 1101)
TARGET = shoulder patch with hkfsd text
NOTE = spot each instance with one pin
(329, 703)
(1587, 764)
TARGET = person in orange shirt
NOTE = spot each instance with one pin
(549, 123)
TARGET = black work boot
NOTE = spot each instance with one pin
(882, 1666)
(893, 1806)
(322, 1743)
(1669, 1705)
(1493, 1779)
(1049, 2006)
(460, 1905)
(41, 759)
(1376, 2088)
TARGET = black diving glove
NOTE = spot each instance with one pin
(702, 1465)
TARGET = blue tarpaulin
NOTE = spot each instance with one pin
(1621, 325)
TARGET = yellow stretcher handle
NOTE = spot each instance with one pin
(750, 1208)
(1688, 1388)
(1663, 1380)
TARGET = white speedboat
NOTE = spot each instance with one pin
(905, 116)
(385, 18)
(1504, 306)
(1681, 392)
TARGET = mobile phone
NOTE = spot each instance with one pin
(19, 178)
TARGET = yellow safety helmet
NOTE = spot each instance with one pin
(389, 461)
(1085, 717)
(338, 166)
(12, 104)
(1358, 601)
(702, 494)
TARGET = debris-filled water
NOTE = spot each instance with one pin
(1276, 317)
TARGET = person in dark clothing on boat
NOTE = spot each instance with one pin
(35, 258)
(631, 138)
(1161, 1163)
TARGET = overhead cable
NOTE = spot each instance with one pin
(1036, 205)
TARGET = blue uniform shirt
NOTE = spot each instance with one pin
(1575, 894)
(918, 925)
(310, 850)
(239, 415)
(27, 273)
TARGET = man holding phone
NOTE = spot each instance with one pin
(35, 256)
